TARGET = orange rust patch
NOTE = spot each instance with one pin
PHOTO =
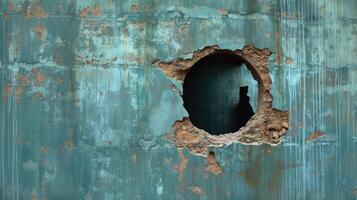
(39, 77)
(180, 168)
(197, 190)
(314, 136)
(40, 31)
(212, 164)
(95, 11)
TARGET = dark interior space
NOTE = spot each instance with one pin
(213, 96)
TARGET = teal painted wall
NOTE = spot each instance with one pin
(84, 113)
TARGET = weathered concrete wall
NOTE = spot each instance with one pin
(84, 113)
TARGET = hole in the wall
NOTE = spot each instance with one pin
(267, 126)
(219, 93)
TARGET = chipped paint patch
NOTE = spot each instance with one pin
(314, 136)
(197, 190)
(35, 10)
(88, 11)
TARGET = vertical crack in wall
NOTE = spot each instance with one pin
(267, 126)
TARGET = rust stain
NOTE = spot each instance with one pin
(37, 95)
(40, 31)
(223, 11)
(181, 167)
(95, 11)
(314, 136)
(39, 12)
(7, 90)
(276, 176)
(212, 164)
(59, 81)
(6, 16)
(33, 196)
(134, 8)
(39, 77)
(85, 12)
(24, 80)
(10, 7)
(18, 92)
(44, 149)
(278, 48)
(252, 173)
(69, 145)
(35, 11)
(197, 190)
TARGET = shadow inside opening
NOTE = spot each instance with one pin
(218, 93)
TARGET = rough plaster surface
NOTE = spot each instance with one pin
(84, 114)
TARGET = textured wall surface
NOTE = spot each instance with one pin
(84, 113)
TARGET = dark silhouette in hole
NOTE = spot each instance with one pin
(212, 96)
(244, 110)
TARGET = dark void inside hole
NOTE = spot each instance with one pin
(215, 96)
